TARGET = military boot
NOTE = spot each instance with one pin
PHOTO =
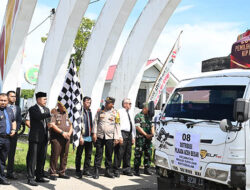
(147, 171)
(136, 172)
(96, 173)
(108, 173)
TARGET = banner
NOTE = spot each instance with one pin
(164, 75)
(5, 36)
(240, 54)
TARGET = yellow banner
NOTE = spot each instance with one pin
(8, 22)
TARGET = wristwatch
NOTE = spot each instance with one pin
(62, 132)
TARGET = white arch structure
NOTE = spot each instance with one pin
(23, 11)
(101, 46)
(138, 48)
(59, 45)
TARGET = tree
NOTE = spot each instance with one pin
(27, 93)
(81, 40)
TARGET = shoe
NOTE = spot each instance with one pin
(79, 175)
(53, 177)
(108, 174)
(32, 182)
(42, 180)
(147, 171)
(11, 176)
(64, 176)
(128, 173)
(45, 175)
(137, 172)
(117, 173)
(87, 173)
(4, 182)
(96, 174)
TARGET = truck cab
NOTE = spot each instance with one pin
(199, 143)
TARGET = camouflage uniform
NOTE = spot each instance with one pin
(142, 143)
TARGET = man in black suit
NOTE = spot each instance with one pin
(13, 140)
(38, 139)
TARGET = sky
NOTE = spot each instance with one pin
(209, 30)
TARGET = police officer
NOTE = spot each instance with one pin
(7, 131)
(106, 132)
(144, 134)
(13, 141)
(60, 132)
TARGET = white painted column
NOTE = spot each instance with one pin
(58, 47)
(101, 46)
(138, 48)
(20, 28)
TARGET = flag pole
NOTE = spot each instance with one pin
(164, 65)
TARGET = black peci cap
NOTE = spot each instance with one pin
(41, 94)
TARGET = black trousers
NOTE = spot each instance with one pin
(123, 152)
(88, 152)
(11, 155)
(109, 148)
(4, 150)
(36, 159)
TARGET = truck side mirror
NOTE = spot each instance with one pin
(241, 110)
(226, 125)
(151, 109)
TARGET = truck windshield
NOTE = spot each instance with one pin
(206, 102)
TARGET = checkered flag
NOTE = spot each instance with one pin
(71, 98)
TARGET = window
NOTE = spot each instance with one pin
(209, 102)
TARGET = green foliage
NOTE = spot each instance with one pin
(27, 93)
(81, 39)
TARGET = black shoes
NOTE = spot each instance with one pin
(42, 180)
(79, 175)
(137, 172)
(11, 176)
(128, 173)
(64, 176)
(147, 171)
(117, 173)
(53, 177)
(32, 182)
(108, 174)
(96, 174)
(4, 182)
(87, 173)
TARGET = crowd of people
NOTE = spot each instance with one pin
(116, 131)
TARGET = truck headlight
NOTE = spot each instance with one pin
(160, 161)
(216, 174)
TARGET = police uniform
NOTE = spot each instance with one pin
(107, 128)
(59, 145)
(6, 119)
(142, 144)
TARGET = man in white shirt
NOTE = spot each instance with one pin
(127, 139)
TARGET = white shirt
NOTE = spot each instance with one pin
(124, 121)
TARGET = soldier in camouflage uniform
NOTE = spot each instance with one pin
(106, 132)
(144, 134)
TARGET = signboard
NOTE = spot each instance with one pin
(187, 150)
(240, 55)
(31, 75)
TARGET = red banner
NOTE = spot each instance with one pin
(240, 54)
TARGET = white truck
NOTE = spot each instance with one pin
(203, 135)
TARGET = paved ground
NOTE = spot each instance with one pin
(143, 182)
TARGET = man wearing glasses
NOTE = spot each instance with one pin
(127, 139)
